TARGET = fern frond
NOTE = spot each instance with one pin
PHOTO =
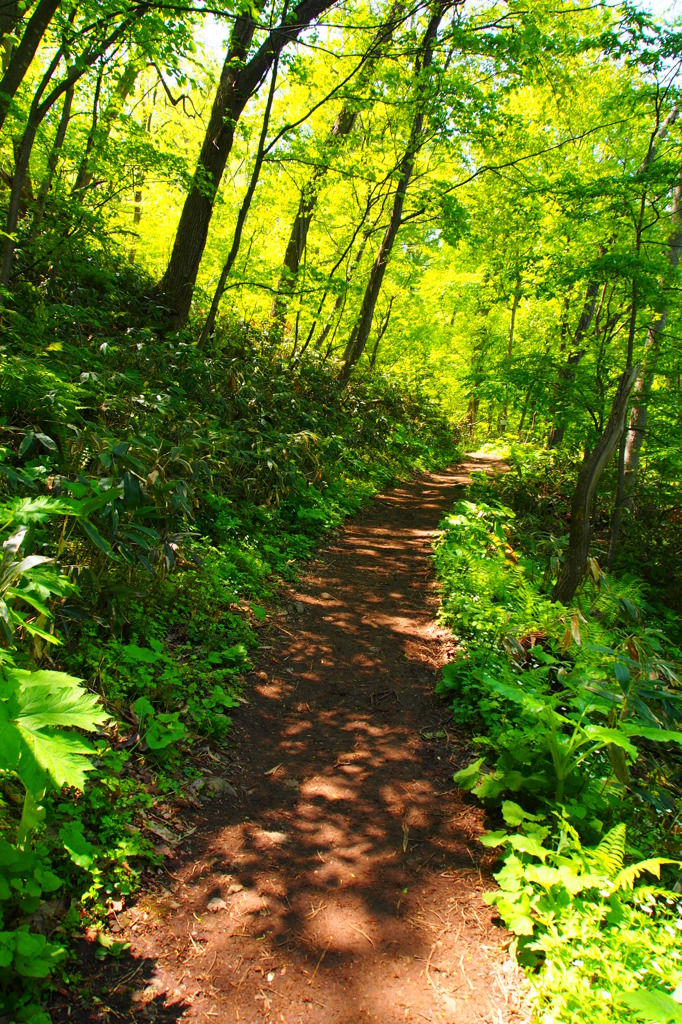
(626, 878)
(611, 851)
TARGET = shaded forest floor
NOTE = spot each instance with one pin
(335, 874)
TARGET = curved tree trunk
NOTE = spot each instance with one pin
(52, 161)
(342, 127)
(593, 465)
(238, 82)
(10, 19)
(567, 375)
(24, 52)
(243, 214)
(363, 325)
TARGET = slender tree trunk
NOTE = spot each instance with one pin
(340, 130)
(593, 465)
(10, 19)
(340, 301)
(243, 214)
(24, 52)
(39, 109)
(342, 127)
(567, 375)
(239, 79)
(363, 325)
(101, 126)
(52, 161)
(380, 334)
(634, 435)
(510, 344)
(137, 197)
(659, 133)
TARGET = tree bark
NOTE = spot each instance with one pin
(238, 82)
(593, 465)
(340, 130)
(510, 344)
(101, 126)
(639, 413)
(659, 133)
(363, 325)
(52, 160)
(24, 52)
(10, 19)
(39, 110)
(243, 213)
(567, 375)
(342, 127)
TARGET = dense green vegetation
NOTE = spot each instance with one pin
(578, 712)
(260, 260)
(144, 541)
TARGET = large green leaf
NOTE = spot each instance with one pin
(42, 678)
(10, 741)
(653, 1006)
(50, 755)
(37, 707)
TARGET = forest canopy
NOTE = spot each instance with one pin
(257, 261)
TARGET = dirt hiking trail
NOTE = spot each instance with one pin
(339, 881)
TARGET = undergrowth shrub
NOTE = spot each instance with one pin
(151, 499)
(578, 715)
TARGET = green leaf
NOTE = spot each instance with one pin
(653, 1006)
(142, 708)
(648, 732)
(492, 839)
(80, 851)
(46, 442)
(467, 777)
(528, 844)
(26, 443)
(141, 654)
(43, 678)
(10, 741)
(47, 754)
(616, 737)
(93, 534)
(513, 814)
(38, 707)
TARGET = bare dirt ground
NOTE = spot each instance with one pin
(340, 880)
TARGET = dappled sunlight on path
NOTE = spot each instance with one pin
(342, 883)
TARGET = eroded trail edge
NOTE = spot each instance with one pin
(340, 881)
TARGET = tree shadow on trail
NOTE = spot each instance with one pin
(342, 884)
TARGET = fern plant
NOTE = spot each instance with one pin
(602, 947)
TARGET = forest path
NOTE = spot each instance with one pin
(339, 882)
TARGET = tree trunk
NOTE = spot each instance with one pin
(53, 158)
(342, 127)
(593, 465)
(510, 345)
(243, 213)
(10, 19)
(24, 52)
(101, 127)
(380, 333)
(659, 133)
(639, 413)
(567, 375)
(340, 130)
(39, 109)
(238, 82)
(363, 325)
